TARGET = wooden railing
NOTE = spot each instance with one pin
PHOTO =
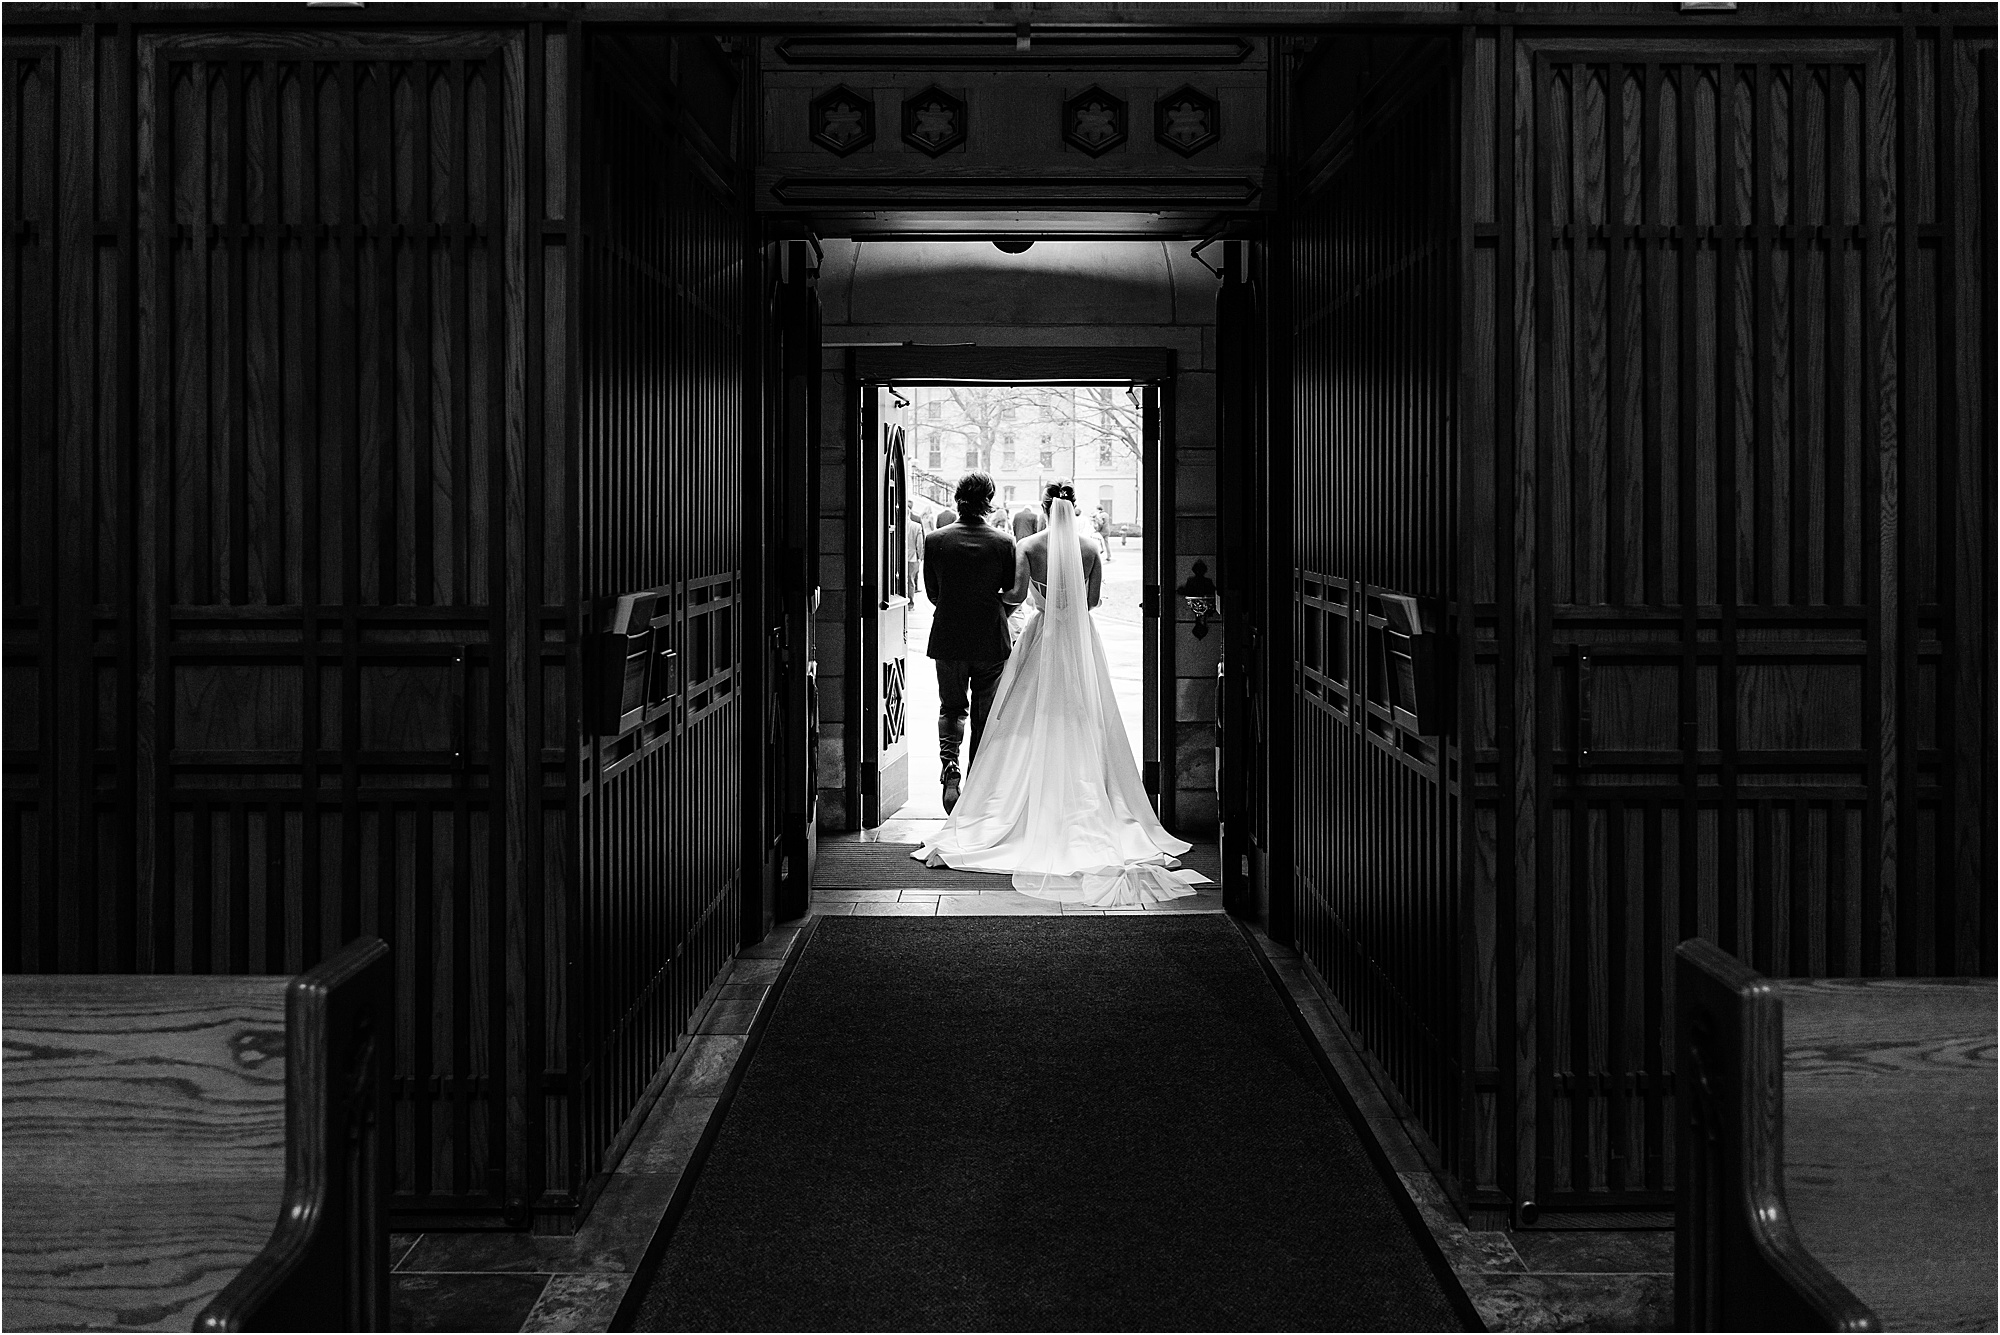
(198, 1151)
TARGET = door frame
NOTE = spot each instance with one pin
(1150, 369)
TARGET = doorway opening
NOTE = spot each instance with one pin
(1027, 437)
(920, 437)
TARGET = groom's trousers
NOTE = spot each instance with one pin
(958, 679)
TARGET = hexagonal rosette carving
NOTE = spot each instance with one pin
(843, 120)
(1093, 121)
(933, 121)
(1187, 120)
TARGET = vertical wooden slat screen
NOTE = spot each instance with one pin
(659, 474)
(40, 702)
(1711, 344)
(328, 545)
(311, 504)
(1376, 804)
(1716, 457)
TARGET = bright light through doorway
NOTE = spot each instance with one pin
(1027, 436)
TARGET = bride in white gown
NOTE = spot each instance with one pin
(1053, 794)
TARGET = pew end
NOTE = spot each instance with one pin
(1738, 1260)
(199, 1151)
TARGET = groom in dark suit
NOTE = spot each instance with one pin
(969, 577)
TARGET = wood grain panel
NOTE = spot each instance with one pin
(156, 1253)
(329, 342)
(151, 1107)
(1711, 576)
(660, 468)
(1734, 506)
(1889, 1100)
(1375, 801)
(296, 704)
(113, 1080)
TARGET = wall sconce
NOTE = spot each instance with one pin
(1199, 594)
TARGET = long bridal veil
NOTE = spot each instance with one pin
(1053, 794)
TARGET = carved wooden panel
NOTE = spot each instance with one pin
(1719, 629)
(293, 632)
(1712, 529)
(331, 548)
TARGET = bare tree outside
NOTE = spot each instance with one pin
(1023, 434)
(1107, 420)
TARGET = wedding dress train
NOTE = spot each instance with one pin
(1053, 794)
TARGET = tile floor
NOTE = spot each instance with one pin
(919, 902)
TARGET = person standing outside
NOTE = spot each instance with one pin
(1027, 520)
(969, 576)
(913, 554)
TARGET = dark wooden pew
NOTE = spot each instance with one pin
(1836, 1140)
(197, 1152)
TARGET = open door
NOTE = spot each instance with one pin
(793, 741)
(1239, 738)
(1158, 601)
(884, 606)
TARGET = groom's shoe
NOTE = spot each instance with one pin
(951, 786)
(951, 736)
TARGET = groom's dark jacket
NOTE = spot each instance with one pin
(967, 569)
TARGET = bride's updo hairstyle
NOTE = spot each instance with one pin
(1058, 491)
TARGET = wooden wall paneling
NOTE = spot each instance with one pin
(1737, 255)
(32, 92)
(659, 464)
(1969, 552)
(74, 386)
(326, 223)
(1377, 805)
(1520, 546)
(313, 669)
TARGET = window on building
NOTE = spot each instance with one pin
(936, 456)
(1009, 494)
(1108, 504)
(1105, 457)
(1048, 457)
(1007, 452)
(934, 409)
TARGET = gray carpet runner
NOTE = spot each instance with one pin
(1038, 1124)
